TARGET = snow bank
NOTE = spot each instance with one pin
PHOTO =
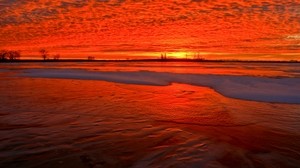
(282, 90)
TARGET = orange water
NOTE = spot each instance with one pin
(76, 123)
(225, 68)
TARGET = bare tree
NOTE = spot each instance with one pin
(17, 55)
(9, 55)
(3, 55)
(56, 57)
(44, 53)
(91, 58)
(163, 56)
(14, 55)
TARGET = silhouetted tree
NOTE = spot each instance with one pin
(14, 55)
(44, 53)
(91, 58)
(198, 57)
(56, 57)
(163, 56)
(9, 55)
(3, 55)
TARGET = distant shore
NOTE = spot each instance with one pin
(149, 60)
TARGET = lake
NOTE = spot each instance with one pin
(149, 114)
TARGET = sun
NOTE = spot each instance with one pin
(179, 54)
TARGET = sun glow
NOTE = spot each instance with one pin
(186, 55)
(180, 54)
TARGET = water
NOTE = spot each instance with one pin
(92, 123)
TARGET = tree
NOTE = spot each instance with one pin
(9, 55)
(17, 55)
(163, 56)
(3, 55)
(14, 55)
(56, 57)
(44, 53)
(91, 58)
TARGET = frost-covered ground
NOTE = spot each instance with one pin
(149, 115)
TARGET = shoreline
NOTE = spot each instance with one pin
(149, 60)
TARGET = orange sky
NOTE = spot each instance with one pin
(238, 29)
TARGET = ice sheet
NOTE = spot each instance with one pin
(282, 90)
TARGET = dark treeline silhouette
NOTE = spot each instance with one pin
(14, 55)
(196, 57)
(56, 57)
(9, 55)
(163, 56)
(90, 58)
(46, 56)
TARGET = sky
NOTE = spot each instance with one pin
(108, 29)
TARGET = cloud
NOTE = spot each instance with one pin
(214, 26)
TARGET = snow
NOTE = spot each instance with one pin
(280, 90)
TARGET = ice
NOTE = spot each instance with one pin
(280, 90)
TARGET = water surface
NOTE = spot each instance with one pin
(48, 122)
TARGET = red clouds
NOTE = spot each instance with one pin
(102, 26)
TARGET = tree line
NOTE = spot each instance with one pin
(13, 55)
(9, 55)
(46, 56)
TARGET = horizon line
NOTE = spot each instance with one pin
(149, 60)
